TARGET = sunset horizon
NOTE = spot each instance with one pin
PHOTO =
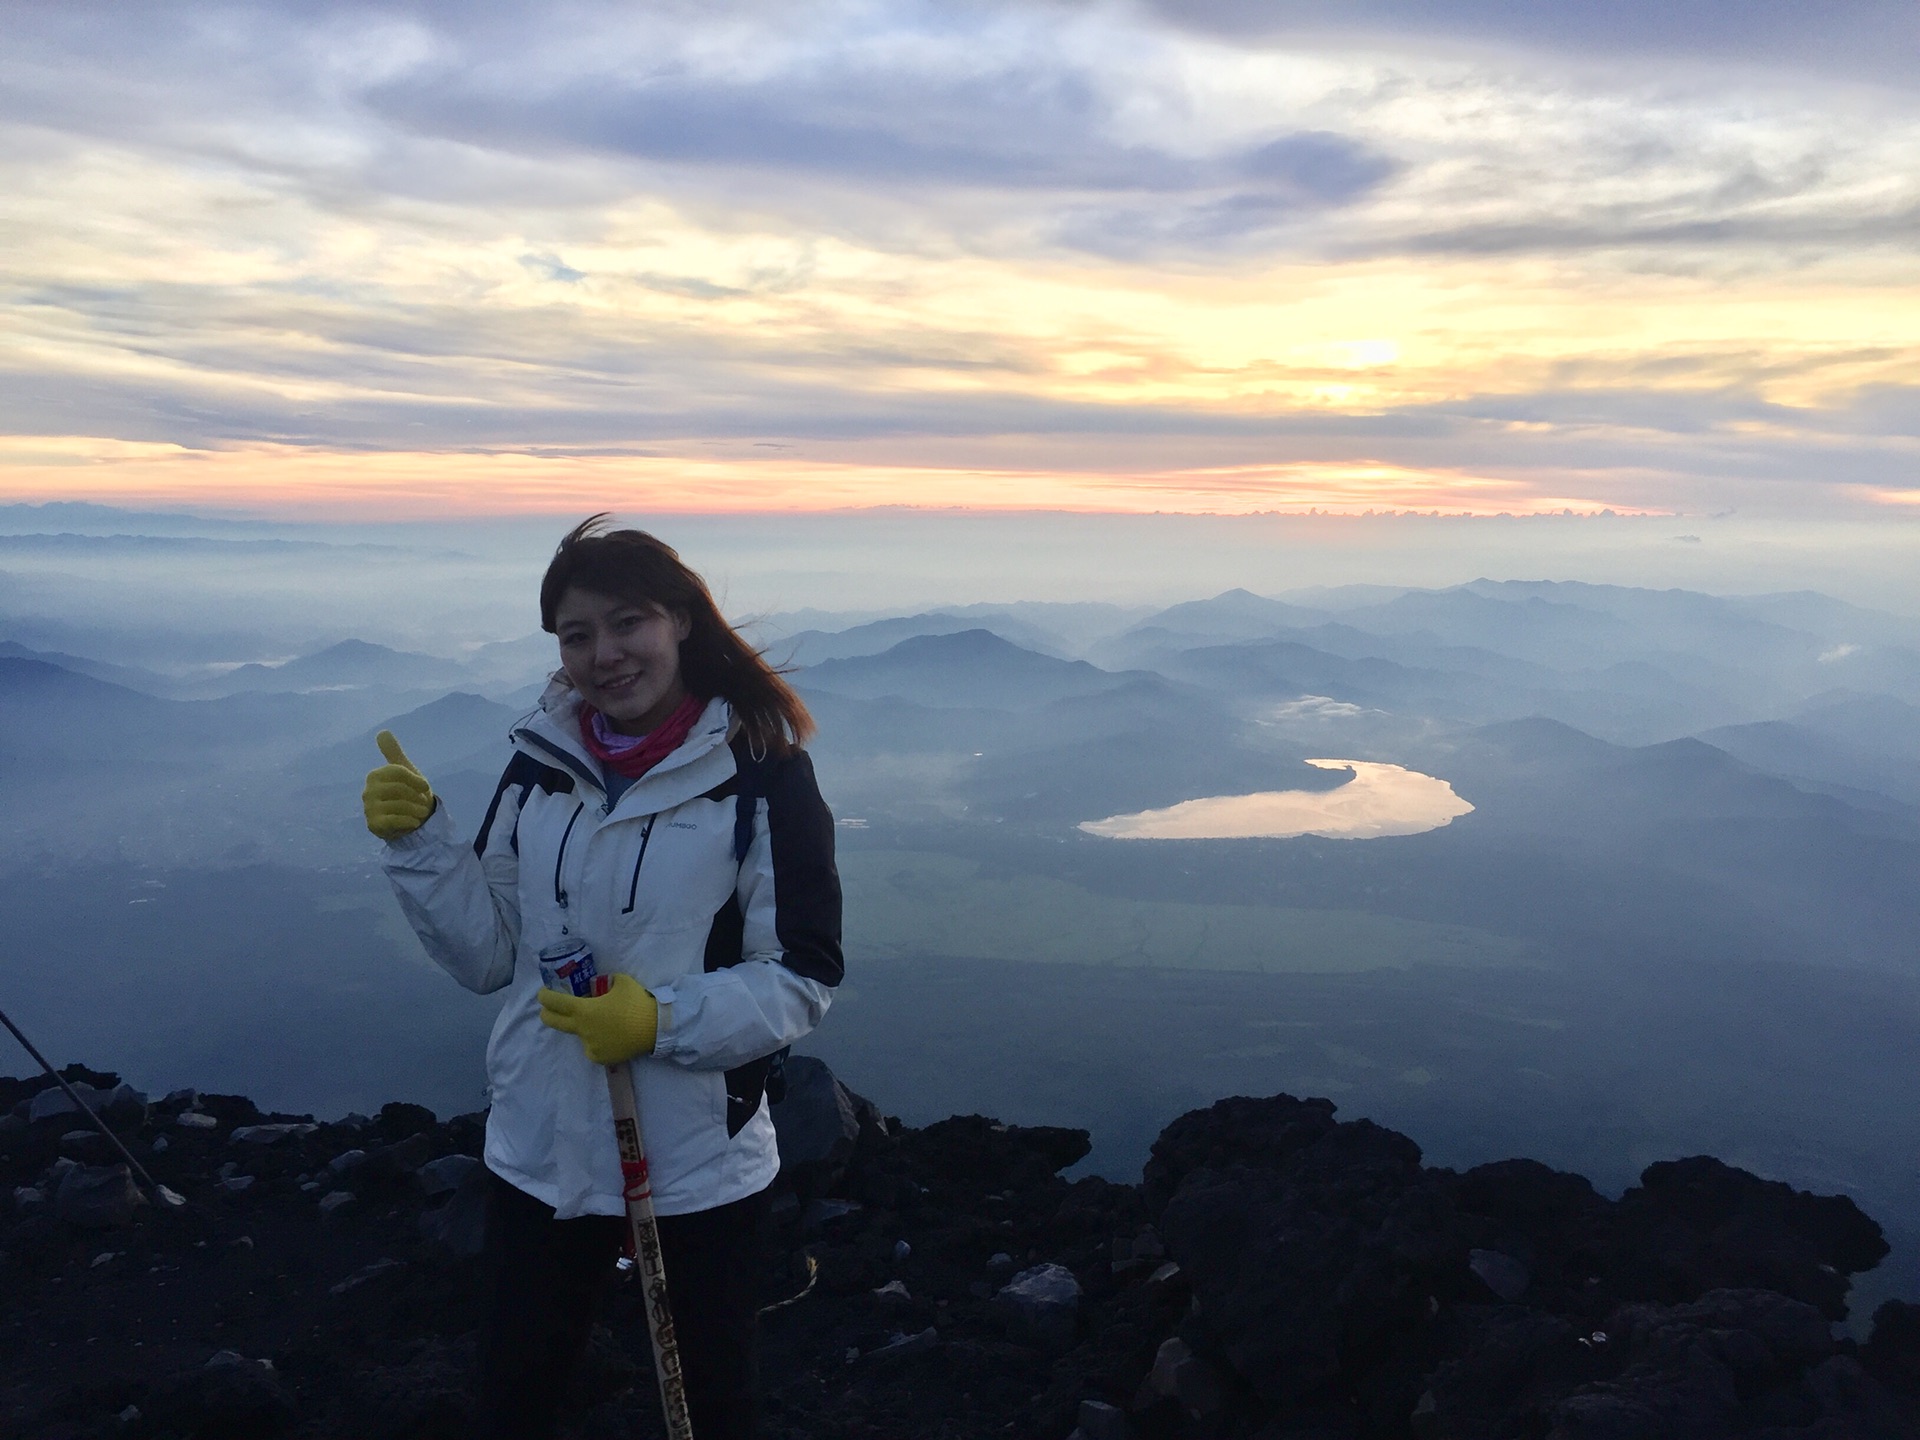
(386, 262)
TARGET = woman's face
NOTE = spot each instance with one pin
(623, 658)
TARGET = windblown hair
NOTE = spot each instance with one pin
(632, 565)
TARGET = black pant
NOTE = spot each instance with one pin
(544, 1278)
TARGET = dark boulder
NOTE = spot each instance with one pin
(1264, 1133)
(1510, 1366)
(392, 1163)
(228, 1398)
(1281, 1275)
(817, 1124)
(458, 1225)
(1701, 1370)
(444, 1176)
(1307, 1243)
(1698, 1224)
(1892, 1352)
(1042, 1306)
(398, 1119)
(968, 1155)
(428, 1396)
(98, 1197)
(121, 1106)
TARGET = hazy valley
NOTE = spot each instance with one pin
(1679, 916)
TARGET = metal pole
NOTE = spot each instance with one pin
(165, 1196)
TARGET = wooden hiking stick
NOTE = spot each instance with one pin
(637, 1187)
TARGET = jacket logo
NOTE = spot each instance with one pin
(681, 825)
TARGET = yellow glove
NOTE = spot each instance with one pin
(398, 799)
(615, 1026)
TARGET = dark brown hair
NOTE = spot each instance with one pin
(632, 565)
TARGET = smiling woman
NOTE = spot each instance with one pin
(639, 631)
(623, 657)
(653, 887)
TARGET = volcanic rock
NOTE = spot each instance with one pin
(817, 1127)
(1278, 1275)
(398, 1160)
(1043, 1305)
(121, 1106)
(97, 1197)
(1101, 1421)
(444, 1176)
(459, 1225)
(268, 1134)
(224, 1399)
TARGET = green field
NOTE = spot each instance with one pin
(906, 903)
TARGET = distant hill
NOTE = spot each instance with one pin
(49, 692)
(1339, 599)
(1829, 618)
(1574, 784)
(148, 681)
(1233, 614)
(1071, 624)
(1281, 669)
(351, 664)
(971, 667)
(1876, 724)
(814, 647)
(83, 757)
(456, 732)
(63, 724)
(1827, 879)
(1675, 619)
(1229, 617)
(1805, 755)
(1530, 627)
(513, 663)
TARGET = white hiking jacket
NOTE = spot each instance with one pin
(741, 954)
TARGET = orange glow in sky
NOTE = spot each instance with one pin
(1336, 274)
(390, 485)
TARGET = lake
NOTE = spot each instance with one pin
(1380, 800)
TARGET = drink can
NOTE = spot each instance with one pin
(568, 967)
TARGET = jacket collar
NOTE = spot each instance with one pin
(551, 733)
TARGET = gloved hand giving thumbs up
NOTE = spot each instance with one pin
(398, 798)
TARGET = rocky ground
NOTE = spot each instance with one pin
(1277, 1274)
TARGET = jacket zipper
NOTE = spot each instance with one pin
(639, 860)
(559, 891)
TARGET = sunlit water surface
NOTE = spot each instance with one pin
(1379, 800)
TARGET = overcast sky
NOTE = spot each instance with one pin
(1204, 255)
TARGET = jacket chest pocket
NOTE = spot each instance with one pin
(551, 843)
(671, 876)
(665, 904)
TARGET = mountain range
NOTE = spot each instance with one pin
(1680, 911)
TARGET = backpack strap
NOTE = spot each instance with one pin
(750, 780)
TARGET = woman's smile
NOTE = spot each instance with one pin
(623, 657)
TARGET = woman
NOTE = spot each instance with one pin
(659, 809)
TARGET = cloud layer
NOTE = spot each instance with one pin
(1211, 256)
